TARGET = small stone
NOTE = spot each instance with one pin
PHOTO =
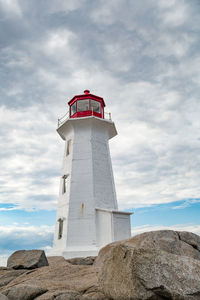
(27, 259)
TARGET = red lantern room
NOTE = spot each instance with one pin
(86, 105)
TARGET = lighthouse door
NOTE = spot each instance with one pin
(103, 227)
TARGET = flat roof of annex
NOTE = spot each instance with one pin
(86, 95)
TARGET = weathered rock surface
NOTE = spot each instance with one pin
(190, 238)
(27, 259)
(58, 279)
(3, 297)
(70, 295)
(23, 292)
(149, 274)
(175, 242)
(82, 260)
(7, 275)
(156, 265)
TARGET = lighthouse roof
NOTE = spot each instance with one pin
(87, 95)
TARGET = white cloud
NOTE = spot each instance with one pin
(157, 120)
(174, 13)
(152, 154)
(58, 41)
(25, 230)
(16, 58)
(158, 130)
(169, 45)
(26, 162)
(104, 12)
(146, 31)
(11, 7)
(3, 260)
(16, 237)
(64, 6)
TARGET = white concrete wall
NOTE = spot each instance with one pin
(121, 226)
(63, 201)
(104, 188)
(90, 185)
(104, 227)
(112, 226)
(81, 229)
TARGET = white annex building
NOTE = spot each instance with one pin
(87, 216)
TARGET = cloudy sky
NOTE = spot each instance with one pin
(143, 58)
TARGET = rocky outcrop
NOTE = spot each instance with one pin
(7, 275)
(58, 279)
(156, 265)
(27, 259)
(3, 297)
(138, 273)
(24, 291)
(175, 242)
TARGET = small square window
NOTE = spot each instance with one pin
(60, 228)
(65, 182)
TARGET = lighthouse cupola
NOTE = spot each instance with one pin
(86, 105)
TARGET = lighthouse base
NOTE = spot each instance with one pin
(111, 226)
(75, 252)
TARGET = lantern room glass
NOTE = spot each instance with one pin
(73, 109)
(86, 107)
(83, 105)
(95, 106)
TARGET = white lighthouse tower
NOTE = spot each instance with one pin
(87, 216)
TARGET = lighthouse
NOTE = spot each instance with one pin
(87, 216)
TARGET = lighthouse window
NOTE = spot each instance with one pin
(73, 109)
(65, 179)
(95, 105)
(83, 105)
(69, 145)
(60, 229)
